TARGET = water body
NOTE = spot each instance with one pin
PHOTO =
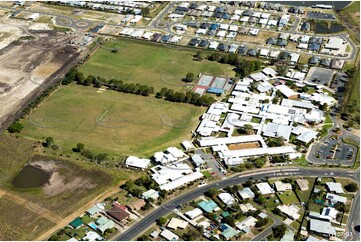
(30, 177)
(338, 5)
(324, 28)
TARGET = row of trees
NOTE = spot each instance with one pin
(113, 84)
(144, 90)
(242, 67)
(188, 97)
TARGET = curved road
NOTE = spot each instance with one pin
(312, 151)
(146, 222)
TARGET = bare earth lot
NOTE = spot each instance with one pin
(25, 63)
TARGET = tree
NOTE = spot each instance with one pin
(189, 77)
(351, 187)
(248, 128)
(54, 237)
(324, 107)
(261, 222)
(229, 220)
(260, 200)
(198, 55)
(191, 235)
(212, 192)
(80, 147)
(162, 221)
(87, 154)
(49, 141)
(15, 127)
(143, 237)
(214, 57)
(247, 183)
(275, 100)
(305, 89)
(282, 70)
(277, 211)
(259, 162)
(145, 12)
(279, 231)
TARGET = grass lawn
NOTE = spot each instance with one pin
(300, 161)
(315, 207)
(271, 203)
(256, 120)
(328, 119)
(151, 64)
(288, 197)
(87, 219)
(305, 195)
(206, 174)
(324, 130)
(113, 122)
(122, 198)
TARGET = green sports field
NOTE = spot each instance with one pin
(151, 64)
(112, 122)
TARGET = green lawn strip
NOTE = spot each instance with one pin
(206, 174)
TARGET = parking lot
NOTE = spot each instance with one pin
(334, 150)
(319, 76)
(211, 163)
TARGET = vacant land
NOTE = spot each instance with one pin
(109, 121)
(26, 63)
(151, 64)
(69, 187)
(19, 223)
(352, 12)
(29, 212)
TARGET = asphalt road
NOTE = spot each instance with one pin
(354, 216)
(135, 230)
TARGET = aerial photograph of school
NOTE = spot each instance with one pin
(179, 120)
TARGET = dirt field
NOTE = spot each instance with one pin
(27, 59)
(243, 146)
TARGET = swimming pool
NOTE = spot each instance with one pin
(93, 226)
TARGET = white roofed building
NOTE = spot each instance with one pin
(282, 187)
(168, 235)
(137, 162)
(265, 188)
(335, 187)
(226, 198)
(192, 214)
(291, 211)
(246, 193)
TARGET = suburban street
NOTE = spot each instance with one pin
(166, 26)
(135, 230)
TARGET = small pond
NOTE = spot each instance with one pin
(30, 177)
